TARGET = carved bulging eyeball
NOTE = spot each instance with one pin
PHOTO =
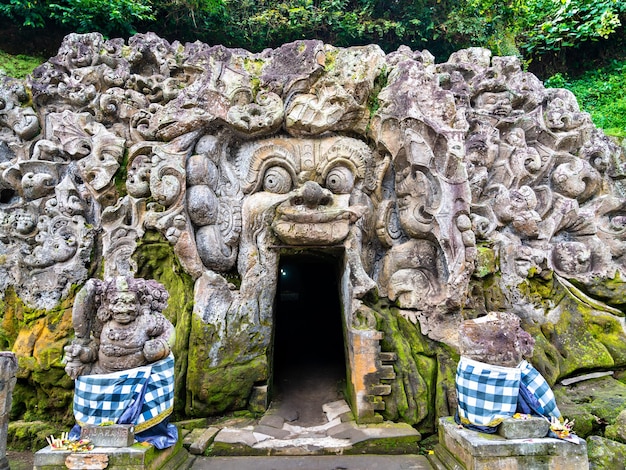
(277, 180)
(340, 180)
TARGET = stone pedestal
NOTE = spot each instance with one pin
(137, 457)
(463, 449)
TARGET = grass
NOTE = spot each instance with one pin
(18, 66)
(601, 93)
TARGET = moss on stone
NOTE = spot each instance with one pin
(213, 390)
(37, 337)
(486, 261)
(390, 446)
(592, 403)
(412, 395)
(605, 454)
(611, 290)
(577, 337)
(155, 259)
(30, 435)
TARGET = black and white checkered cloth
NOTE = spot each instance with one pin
(487, 394)
(103, 398)
(540, 389)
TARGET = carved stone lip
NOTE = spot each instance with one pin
(301, 215)
(326, 233)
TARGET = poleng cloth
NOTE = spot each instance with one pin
(486, 393)
(103, 398)
(540, 390)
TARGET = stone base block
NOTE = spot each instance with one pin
(478, 451)
(136, 457)
(530, 428)
(115, 435)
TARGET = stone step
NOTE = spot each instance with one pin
(388, 356)
(347, 437)
(442, 459)
(191, 436)
(203, 441)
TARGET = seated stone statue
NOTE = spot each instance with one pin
(493, 381)
(121, 358)
(118, 325)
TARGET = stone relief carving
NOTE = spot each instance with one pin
(415, 171)
(118, 325)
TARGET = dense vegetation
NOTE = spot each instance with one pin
(581, 43)
(602, 93)
(534, 29)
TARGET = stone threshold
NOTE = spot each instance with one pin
(273, 435)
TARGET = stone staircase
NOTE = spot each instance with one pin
(273, 435)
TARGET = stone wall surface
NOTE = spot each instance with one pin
(449, 189)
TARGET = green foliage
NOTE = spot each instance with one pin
(534, 27)
(29, 13)
(259, 24)
(105, 16)
(550, 25)
(602, 93)
(528, 28)
(110, 16)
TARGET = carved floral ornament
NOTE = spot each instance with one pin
(406, 164)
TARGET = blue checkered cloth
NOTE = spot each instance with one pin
(486, 393)
(540, 390)
(105, 398)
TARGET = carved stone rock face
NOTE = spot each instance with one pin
(441, 190)
(310, 184)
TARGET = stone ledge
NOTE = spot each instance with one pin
(480, 451)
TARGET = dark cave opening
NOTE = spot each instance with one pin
(309, 351)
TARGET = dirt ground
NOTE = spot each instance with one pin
(303, 390)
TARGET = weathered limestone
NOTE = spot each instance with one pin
(118, 325)
(444, 190)
(527, 428)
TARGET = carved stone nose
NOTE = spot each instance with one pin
(312, 195)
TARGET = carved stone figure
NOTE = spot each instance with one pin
(442, 190)
(118, 325)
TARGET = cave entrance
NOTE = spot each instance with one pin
(309, 350)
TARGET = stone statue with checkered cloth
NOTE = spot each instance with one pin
(121, 358)
(493, 381)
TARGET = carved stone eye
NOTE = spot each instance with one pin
(340, 180)
(277, 180)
